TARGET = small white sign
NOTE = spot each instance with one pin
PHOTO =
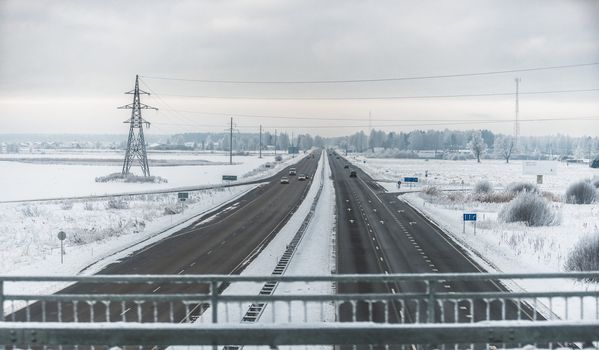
(539, 167)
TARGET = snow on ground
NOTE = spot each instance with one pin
(450, 173)
(96, 235)
(26, 181)
(312, 257)
(499, 246)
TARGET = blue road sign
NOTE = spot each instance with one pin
(469, 217)
(410, 179)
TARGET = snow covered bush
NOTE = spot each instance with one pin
(495, 197)
(581, 192)
(31, 211)
(585, 255)
(278, 158)
(88, 206)
(483, 186)
(431, 191)
(517, 187)
(530, 208)
(118, 177)
(117, 203)
(67, 205)
(595, 182)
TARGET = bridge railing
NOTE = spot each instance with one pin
(391, 309)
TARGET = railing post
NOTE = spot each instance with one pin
(1, 300)
(213, 300)
(431, 301)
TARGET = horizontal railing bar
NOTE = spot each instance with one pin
(14, 333)
(187, 279)
(299, 297)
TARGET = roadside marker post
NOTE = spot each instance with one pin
(62, 236)
(469, 217)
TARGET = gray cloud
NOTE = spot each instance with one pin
(90, 51)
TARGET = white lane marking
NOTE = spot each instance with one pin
(380, 258)
(209, 252)
(193, 263)
(392, 290)
(447, 286)
(180, 272)
(377, 247)
(155, 290)
(124, 312)
(223, 242)
(436, 270)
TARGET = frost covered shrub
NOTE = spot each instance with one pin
(117, 203)
(431, 191)
(31, 211)
(496, 197)
(582, 192)
(118, 177)
(530, 208)
(517, 187)
(278, 158)
(88, 206)
(483, 186)
(66, 205)
(595, 182)
(585, 255)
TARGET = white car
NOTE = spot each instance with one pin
(284, 180)
(301, 177)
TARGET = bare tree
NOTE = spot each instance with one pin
(504, 146)
(477, 145)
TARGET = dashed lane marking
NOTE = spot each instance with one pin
(155, 290)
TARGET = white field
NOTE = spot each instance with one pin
(496, 245)
(26, 181)
(98, 235)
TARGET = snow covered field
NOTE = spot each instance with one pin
(450, 173)
(26, 181)
(507, 247)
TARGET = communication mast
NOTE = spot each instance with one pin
(516, 121)
(136, 144)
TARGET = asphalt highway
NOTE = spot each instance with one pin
(221, 242)
(379, 233)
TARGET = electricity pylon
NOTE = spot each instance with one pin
(136, 144)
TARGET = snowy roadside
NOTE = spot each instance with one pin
(42, 257)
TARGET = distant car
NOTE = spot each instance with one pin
(353, 174)
(301, 177)
(337, 157)
(346, 166)
(284, 180)
(292, 171)
(267, 165)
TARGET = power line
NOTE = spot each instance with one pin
(314, 98)
(447, 123)
(369, 80)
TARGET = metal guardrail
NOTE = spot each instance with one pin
(192, 310)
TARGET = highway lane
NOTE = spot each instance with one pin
(385, 235)
(223, 242)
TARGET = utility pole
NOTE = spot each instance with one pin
(370, 130)
(136, 144)
(517, 122)
(275, 142)
(260, 140)
(231, 143)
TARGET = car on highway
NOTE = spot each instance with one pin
(301, 177)
(284, 180)
(346, 166)
(353, 173)
(292, 171)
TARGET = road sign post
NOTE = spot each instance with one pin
(469, 217)
(182, 196)
(410, 180)
(62, 236)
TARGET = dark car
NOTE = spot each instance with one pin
(346, 166)
(353, 174)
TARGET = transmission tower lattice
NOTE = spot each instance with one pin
(136, 144)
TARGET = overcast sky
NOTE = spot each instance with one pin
(64, 65)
